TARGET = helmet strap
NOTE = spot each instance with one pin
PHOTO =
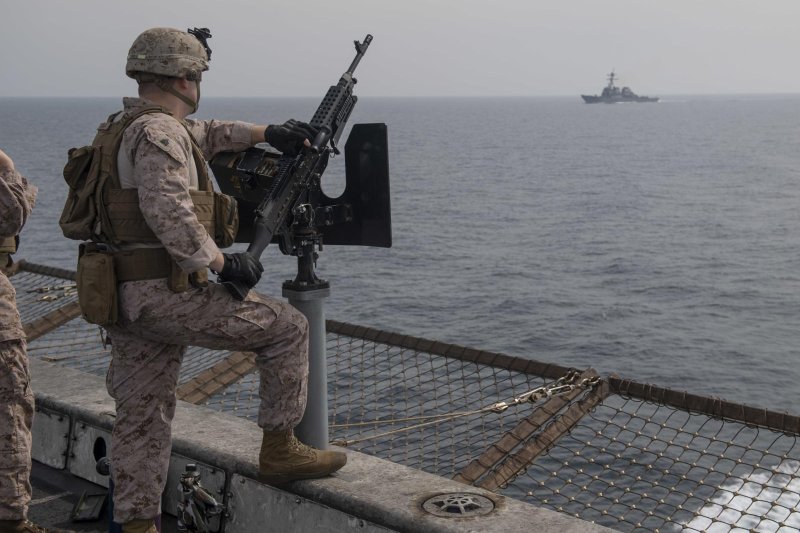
(197, 103)
(166, 85)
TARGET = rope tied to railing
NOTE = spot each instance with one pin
(561, 386)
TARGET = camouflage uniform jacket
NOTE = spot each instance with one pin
(156, 158)
(17, 197)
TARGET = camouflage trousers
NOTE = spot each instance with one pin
(148, 344)
(16, 417)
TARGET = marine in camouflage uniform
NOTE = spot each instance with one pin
(155, 323)
(17, 197)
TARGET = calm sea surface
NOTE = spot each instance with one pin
(660, 242)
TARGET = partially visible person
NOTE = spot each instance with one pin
(17, 197)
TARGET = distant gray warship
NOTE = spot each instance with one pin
(613, 94)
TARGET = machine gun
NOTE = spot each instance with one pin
(280, 197)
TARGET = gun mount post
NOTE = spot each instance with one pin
(307, 293)
(313, 428)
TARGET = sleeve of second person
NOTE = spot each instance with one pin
(162, 174)
(17, 197)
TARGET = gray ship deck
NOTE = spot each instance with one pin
(537, 446)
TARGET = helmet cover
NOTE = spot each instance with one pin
(167, 52)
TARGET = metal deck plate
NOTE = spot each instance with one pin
(250, 502)
(50, 433)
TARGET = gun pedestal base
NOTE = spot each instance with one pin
(313, 428)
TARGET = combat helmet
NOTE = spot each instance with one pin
(169, 52)
(158, 54)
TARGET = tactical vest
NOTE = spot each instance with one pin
(100, 210)
(124, 220)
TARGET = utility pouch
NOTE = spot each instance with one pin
(199, 279)
(9, 245)
(178, 280)
(97, 285)
(226, 219)
(82, 174)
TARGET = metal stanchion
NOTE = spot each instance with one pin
(307, 293)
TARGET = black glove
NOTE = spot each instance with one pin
(243, 267)
(288, 137)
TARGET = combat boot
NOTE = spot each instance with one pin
(26, 526)
(140, 526)
(283, 458)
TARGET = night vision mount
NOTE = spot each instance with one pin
(203, 35)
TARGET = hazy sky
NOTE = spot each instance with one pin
(421, 47)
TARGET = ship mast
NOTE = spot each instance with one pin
(611, 79)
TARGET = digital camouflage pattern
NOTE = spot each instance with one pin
(16, 418)
(144, 373)
(155, 324)
(156, 158)
(167, 52)
(16, 398)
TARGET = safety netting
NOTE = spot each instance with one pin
(626, 455)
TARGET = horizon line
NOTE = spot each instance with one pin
(661, 95)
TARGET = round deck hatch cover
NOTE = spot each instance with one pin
(458, 504)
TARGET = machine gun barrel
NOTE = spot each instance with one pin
(337, 104)
(361, 49)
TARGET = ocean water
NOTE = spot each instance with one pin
(660, 241)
